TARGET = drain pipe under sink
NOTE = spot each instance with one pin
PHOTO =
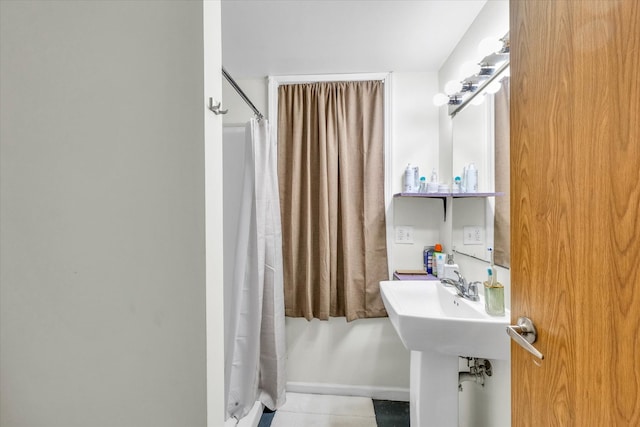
(476, 373)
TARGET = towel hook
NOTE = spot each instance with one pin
(216, 108)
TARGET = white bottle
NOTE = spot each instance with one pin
(450, 267)
(409, 179)
(440, 258)
(432, 185)
(472, 179)
(457, 184)
(463, 183)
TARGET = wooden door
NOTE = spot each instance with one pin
(575, 208)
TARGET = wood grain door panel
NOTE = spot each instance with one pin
(575, 210)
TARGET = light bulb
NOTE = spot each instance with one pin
(493, 87)
(478, 100)
(469, 68)
(440, 99)
(452, 86)
(489, 45)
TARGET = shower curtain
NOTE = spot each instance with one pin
(256, 351)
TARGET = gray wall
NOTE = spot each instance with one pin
(102, 291)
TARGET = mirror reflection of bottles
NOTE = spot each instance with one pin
(423, 185)
(411, 179)
(432, 186)
(471, 181)
(457, 184)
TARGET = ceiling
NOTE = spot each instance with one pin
(284, 37)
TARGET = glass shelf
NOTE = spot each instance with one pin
(441, 195)
(444, 196)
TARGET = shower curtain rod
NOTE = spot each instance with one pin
(244, 97)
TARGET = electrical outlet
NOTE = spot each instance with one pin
(473, 235)
(404, 235)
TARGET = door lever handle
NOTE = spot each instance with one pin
(524, 333)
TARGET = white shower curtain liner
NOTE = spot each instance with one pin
(257, 351)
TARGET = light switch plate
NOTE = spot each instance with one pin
(472, 235)
(404, 234)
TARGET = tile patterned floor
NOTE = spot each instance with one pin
(391, 413)
(315, 410)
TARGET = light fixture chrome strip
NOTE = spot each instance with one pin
(456, 108)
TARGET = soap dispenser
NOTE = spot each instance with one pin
(450, 267)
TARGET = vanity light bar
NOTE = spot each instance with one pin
(491, 68)
(482, 88)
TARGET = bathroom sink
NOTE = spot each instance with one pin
(429, 316)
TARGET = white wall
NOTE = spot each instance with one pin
(415, 141)
(491, 405)
(103, 215)
(364, 358)
(239, 112)
(213, 179)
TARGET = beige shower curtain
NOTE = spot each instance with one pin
(331, 179)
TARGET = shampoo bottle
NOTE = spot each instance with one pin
(428, 259)
(472, 179)
(409, 179)
(439, 259)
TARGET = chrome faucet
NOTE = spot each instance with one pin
(465, 290)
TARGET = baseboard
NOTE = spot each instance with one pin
(252, 419)
(374, 392)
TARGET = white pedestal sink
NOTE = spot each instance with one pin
(438, 326)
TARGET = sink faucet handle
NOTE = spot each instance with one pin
(461, 278)
(473, 289)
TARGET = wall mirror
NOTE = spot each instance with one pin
(481, 136)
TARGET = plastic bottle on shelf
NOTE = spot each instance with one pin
(411, 179)
(457, 184)
(423, 185)
(463, 183)
(438, 261)
(472, 179)
(432, 185)
(428, 259)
